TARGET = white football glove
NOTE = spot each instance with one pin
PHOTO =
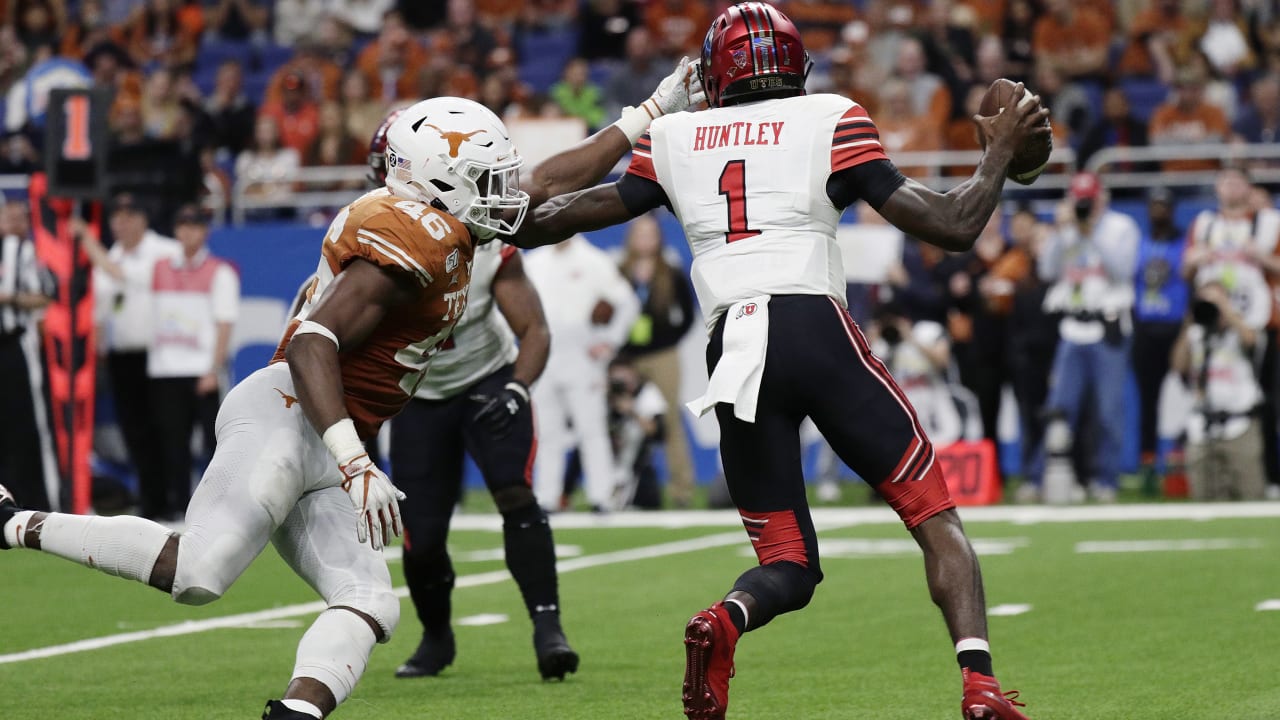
(375, 499)
(678, 91)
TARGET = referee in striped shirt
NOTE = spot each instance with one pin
(23, 295)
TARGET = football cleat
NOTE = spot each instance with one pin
(276, 710)
(983, 699)
(709, 641)
(555, 658)
(8, 506)
(433, 655)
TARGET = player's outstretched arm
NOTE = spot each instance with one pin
(952, 221)
(519, 303)
(563, 216)
(588, 162)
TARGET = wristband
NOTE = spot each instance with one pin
(634, 122)
(343, 442)
(518, 388)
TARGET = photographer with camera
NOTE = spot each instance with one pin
(1089, 263)
(637, 427)
(1217, 355)
(918, 356)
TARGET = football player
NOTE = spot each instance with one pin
(475, 400)
(290, 466)
(759, 182)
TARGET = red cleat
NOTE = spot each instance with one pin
(983, 699)
(709, 640)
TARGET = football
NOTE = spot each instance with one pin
(1030, 160)
(601, 313)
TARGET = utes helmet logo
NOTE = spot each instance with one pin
(746, 310)
(455, 139)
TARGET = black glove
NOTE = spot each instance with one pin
(499, 411)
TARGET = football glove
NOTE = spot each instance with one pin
(376, 500)
(498, 411)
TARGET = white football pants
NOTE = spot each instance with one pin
(581, 402)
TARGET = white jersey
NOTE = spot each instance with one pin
(482, 341)
(749, 185)
(1228, 243)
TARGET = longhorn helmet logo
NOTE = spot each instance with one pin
(454, 138)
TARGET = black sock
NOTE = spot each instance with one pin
(531, 558)
(736, 615)
(430, 580)
(978, 661)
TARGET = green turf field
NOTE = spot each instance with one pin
(1159, 635)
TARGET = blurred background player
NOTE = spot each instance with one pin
(590, 309)
(783, 346)
(475, 401)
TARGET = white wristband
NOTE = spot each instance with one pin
(343, 442)
(634, 122)
(519, 389)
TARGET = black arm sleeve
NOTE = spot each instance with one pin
(640, 194)
(872, 181)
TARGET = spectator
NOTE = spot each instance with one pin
(904, 129)
(334, 145)
(297, 19)
(160, 107)
(1159, 37)
(363, 113)
(852, 75)
(919, 283)
(1073, 110)
(296, 115)
(550, 14)
(961, 133)
(949, 44)
(161, 31)
(215, 182)
(38, 22)
(363, 16)
(1216, 354)
(632, 81)
(680, 25)
(126, 123)
(1117, 127)
(918, 355)
(602, 26)
(1017, 35)
(112, 68)
(1160, 304)
(196, 300)
(495, 94)
(929, 96)
(1090, 263)
(88, 28)
(27, 99)
(238, 20)
(267, 163)
(590, 308)
(310, 61)
(1235, 246)
(1260, 122)
(23, 296)
(392, 62)
(1225, 40)
(666, 313)
(990, 63)
(1188, 120)
(1073, 39)
(17, 155)
(638, 416)
(1033, 335)
(577, 96)
(472, 43)
(124, 305)
(230, 112)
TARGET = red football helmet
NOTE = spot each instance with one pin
(752, 51)
(378, 150)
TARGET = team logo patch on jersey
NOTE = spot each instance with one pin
(745, 310)
(451, 262)
(289, 400)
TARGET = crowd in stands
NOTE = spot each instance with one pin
(234, 90)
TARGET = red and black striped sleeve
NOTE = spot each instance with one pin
(642, 159)
(639, 186)
(855, 140)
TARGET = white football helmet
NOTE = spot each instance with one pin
(458, 152)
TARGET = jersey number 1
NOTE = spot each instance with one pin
(733, 186)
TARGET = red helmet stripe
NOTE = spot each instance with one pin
(773, 42)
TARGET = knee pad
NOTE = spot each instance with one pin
(526, 512)
(778, 588)
(200, 577)
(514, 498)
(378, 603)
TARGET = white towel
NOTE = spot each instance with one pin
(736, 379)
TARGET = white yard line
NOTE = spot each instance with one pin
(1146, 546)
(251, 619)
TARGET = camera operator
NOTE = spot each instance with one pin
(918, 356)
(1089, 263)
(1217, 355)
(637, 427)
